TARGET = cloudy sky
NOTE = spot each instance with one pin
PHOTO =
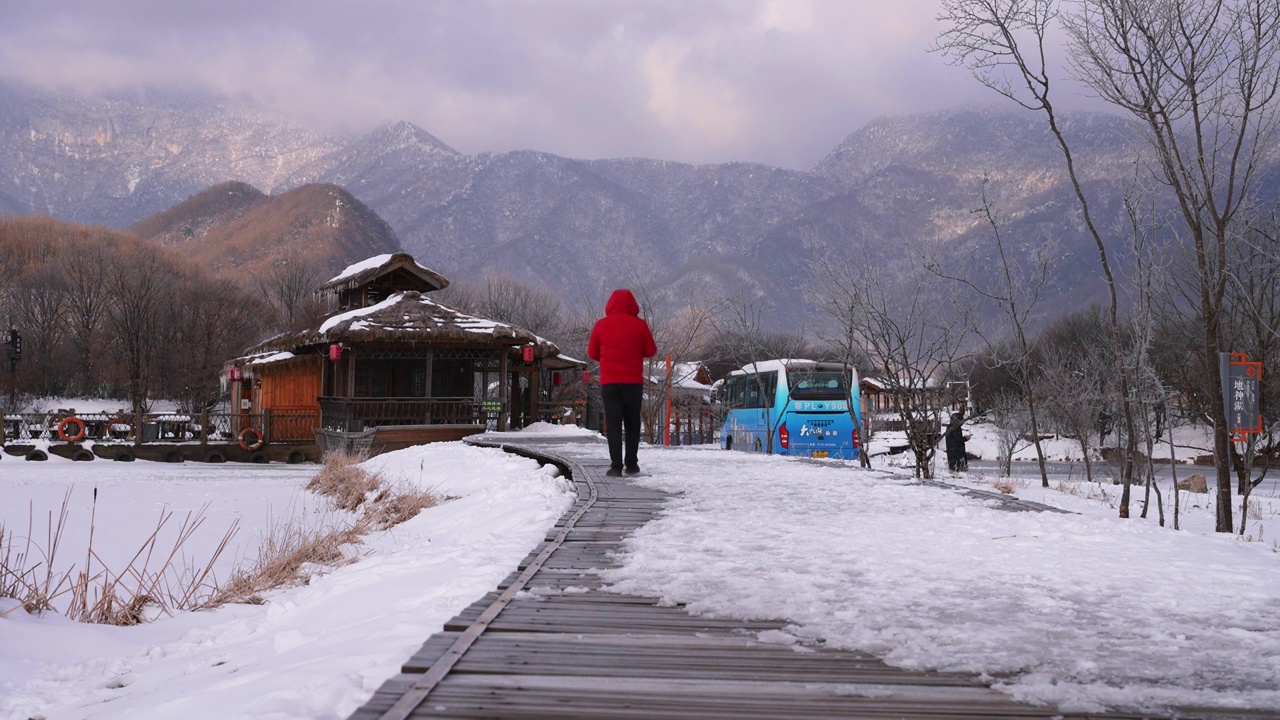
(776, 81)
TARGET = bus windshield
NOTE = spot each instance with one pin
(809, 384)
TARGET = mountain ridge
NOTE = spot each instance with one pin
(898, 185)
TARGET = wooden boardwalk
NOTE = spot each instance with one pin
(549, 643)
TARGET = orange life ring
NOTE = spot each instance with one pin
(62, 429)
(257, 442)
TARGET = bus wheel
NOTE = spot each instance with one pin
(759, 445)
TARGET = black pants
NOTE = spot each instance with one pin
(622, 414)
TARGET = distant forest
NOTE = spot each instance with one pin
(105, 314)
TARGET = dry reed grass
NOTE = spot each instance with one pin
(151, 582)
(344, 482)
(1009, 485)
(154, 581)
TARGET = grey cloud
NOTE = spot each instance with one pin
(695, 81)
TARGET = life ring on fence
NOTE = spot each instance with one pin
(257, 439)
(79, 433)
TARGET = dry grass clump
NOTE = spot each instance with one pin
(343, 481)
(355, 489)
(1008, 485)
(394, 507)
(156, 580)
(1068, 488)
(288, 556)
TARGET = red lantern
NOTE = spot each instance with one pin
(335, 352)
(556, 379)
(528, 353)
(234, 373)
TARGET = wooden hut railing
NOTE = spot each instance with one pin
(356, 414)
(563, 413)
(295, 426)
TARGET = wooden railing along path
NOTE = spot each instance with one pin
(550, 643)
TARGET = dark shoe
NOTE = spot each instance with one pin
(633, 469)
(613, 472)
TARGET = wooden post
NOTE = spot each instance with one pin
(502, 391)
(204, 426)
(535, 388)
(666, 424)
(351, 374)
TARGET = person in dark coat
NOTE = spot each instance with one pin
(957, 456)
(620, 341)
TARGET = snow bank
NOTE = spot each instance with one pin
(310, 652)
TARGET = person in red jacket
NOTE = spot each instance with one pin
(620, 341)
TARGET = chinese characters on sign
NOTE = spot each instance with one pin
(1240, 380)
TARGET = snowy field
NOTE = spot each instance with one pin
(317, 651)
(1081, 609)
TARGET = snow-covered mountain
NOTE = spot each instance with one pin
(579, 225)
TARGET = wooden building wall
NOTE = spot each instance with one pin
(292, 386)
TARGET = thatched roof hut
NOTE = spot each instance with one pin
(387, 356)
(412, 318)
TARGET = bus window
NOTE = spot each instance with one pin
(817, 385)
(761, 389)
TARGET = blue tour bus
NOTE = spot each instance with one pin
(808, 408)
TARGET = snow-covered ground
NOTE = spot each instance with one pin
(1081, 609)
(1084, 610)
(317, 651)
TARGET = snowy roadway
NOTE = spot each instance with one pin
(1083, 610)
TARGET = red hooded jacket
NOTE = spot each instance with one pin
(621, 340)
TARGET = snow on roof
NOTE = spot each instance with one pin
(370, 269)
(340, 318)
(683, 375)
(357, 268)
(272, 358)
(407, 316)
(770, 365)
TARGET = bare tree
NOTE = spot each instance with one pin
(39, 304)
(740, 341)
(1022, 275)
(1012, 421)
(138, 283)
(287, 285)
(508, 300)
(914, 332)
(84, 273)
(1200, 76)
